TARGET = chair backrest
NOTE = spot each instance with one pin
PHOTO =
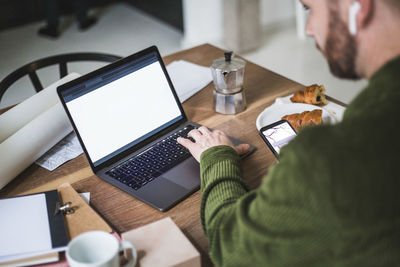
(61, 60)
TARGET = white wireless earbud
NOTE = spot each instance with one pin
(353, 10)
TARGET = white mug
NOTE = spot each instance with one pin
(98, 249)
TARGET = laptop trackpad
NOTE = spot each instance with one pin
(185, 174)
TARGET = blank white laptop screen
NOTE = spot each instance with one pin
(124, 110)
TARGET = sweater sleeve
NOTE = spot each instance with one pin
(274, 224)
(221, 182)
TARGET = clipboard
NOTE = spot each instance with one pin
(83, 218)
(32, 225)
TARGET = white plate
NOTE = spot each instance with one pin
(276, 111)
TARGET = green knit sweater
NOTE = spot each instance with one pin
(333, 199)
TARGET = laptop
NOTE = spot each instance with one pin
(127, 117)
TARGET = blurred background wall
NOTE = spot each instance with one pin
(127, 26)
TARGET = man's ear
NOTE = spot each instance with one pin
(365, 13)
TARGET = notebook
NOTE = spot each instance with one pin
(127, 117)
(31, 226)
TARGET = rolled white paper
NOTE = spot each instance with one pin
(14, 119)
(30, 142)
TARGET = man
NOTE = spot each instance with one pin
(333, 198)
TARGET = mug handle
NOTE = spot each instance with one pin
(128, 245)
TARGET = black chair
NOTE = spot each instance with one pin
(61, 60)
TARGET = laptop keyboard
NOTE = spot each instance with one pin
(147, 166)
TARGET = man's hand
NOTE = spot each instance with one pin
(205, 139)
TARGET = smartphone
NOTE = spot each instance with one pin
(277, 135)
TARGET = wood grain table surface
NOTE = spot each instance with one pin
(122, 211)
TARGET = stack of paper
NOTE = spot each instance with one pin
(42, 259)
(65, 150)
(188, 78)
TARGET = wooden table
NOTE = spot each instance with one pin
(124, 212)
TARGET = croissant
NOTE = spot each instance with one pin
(294, 120)
(299, 120)
(313, 94)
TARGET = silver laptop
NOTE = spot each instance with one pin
(127, 117)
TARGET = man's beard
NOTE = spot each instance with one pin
(340, 48)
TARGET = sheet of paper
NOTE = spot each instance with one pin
(85, 196)
(68, 148)
(188, 78)
(24, 226)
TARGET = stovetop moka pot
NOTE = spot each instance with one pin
(228, 73)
